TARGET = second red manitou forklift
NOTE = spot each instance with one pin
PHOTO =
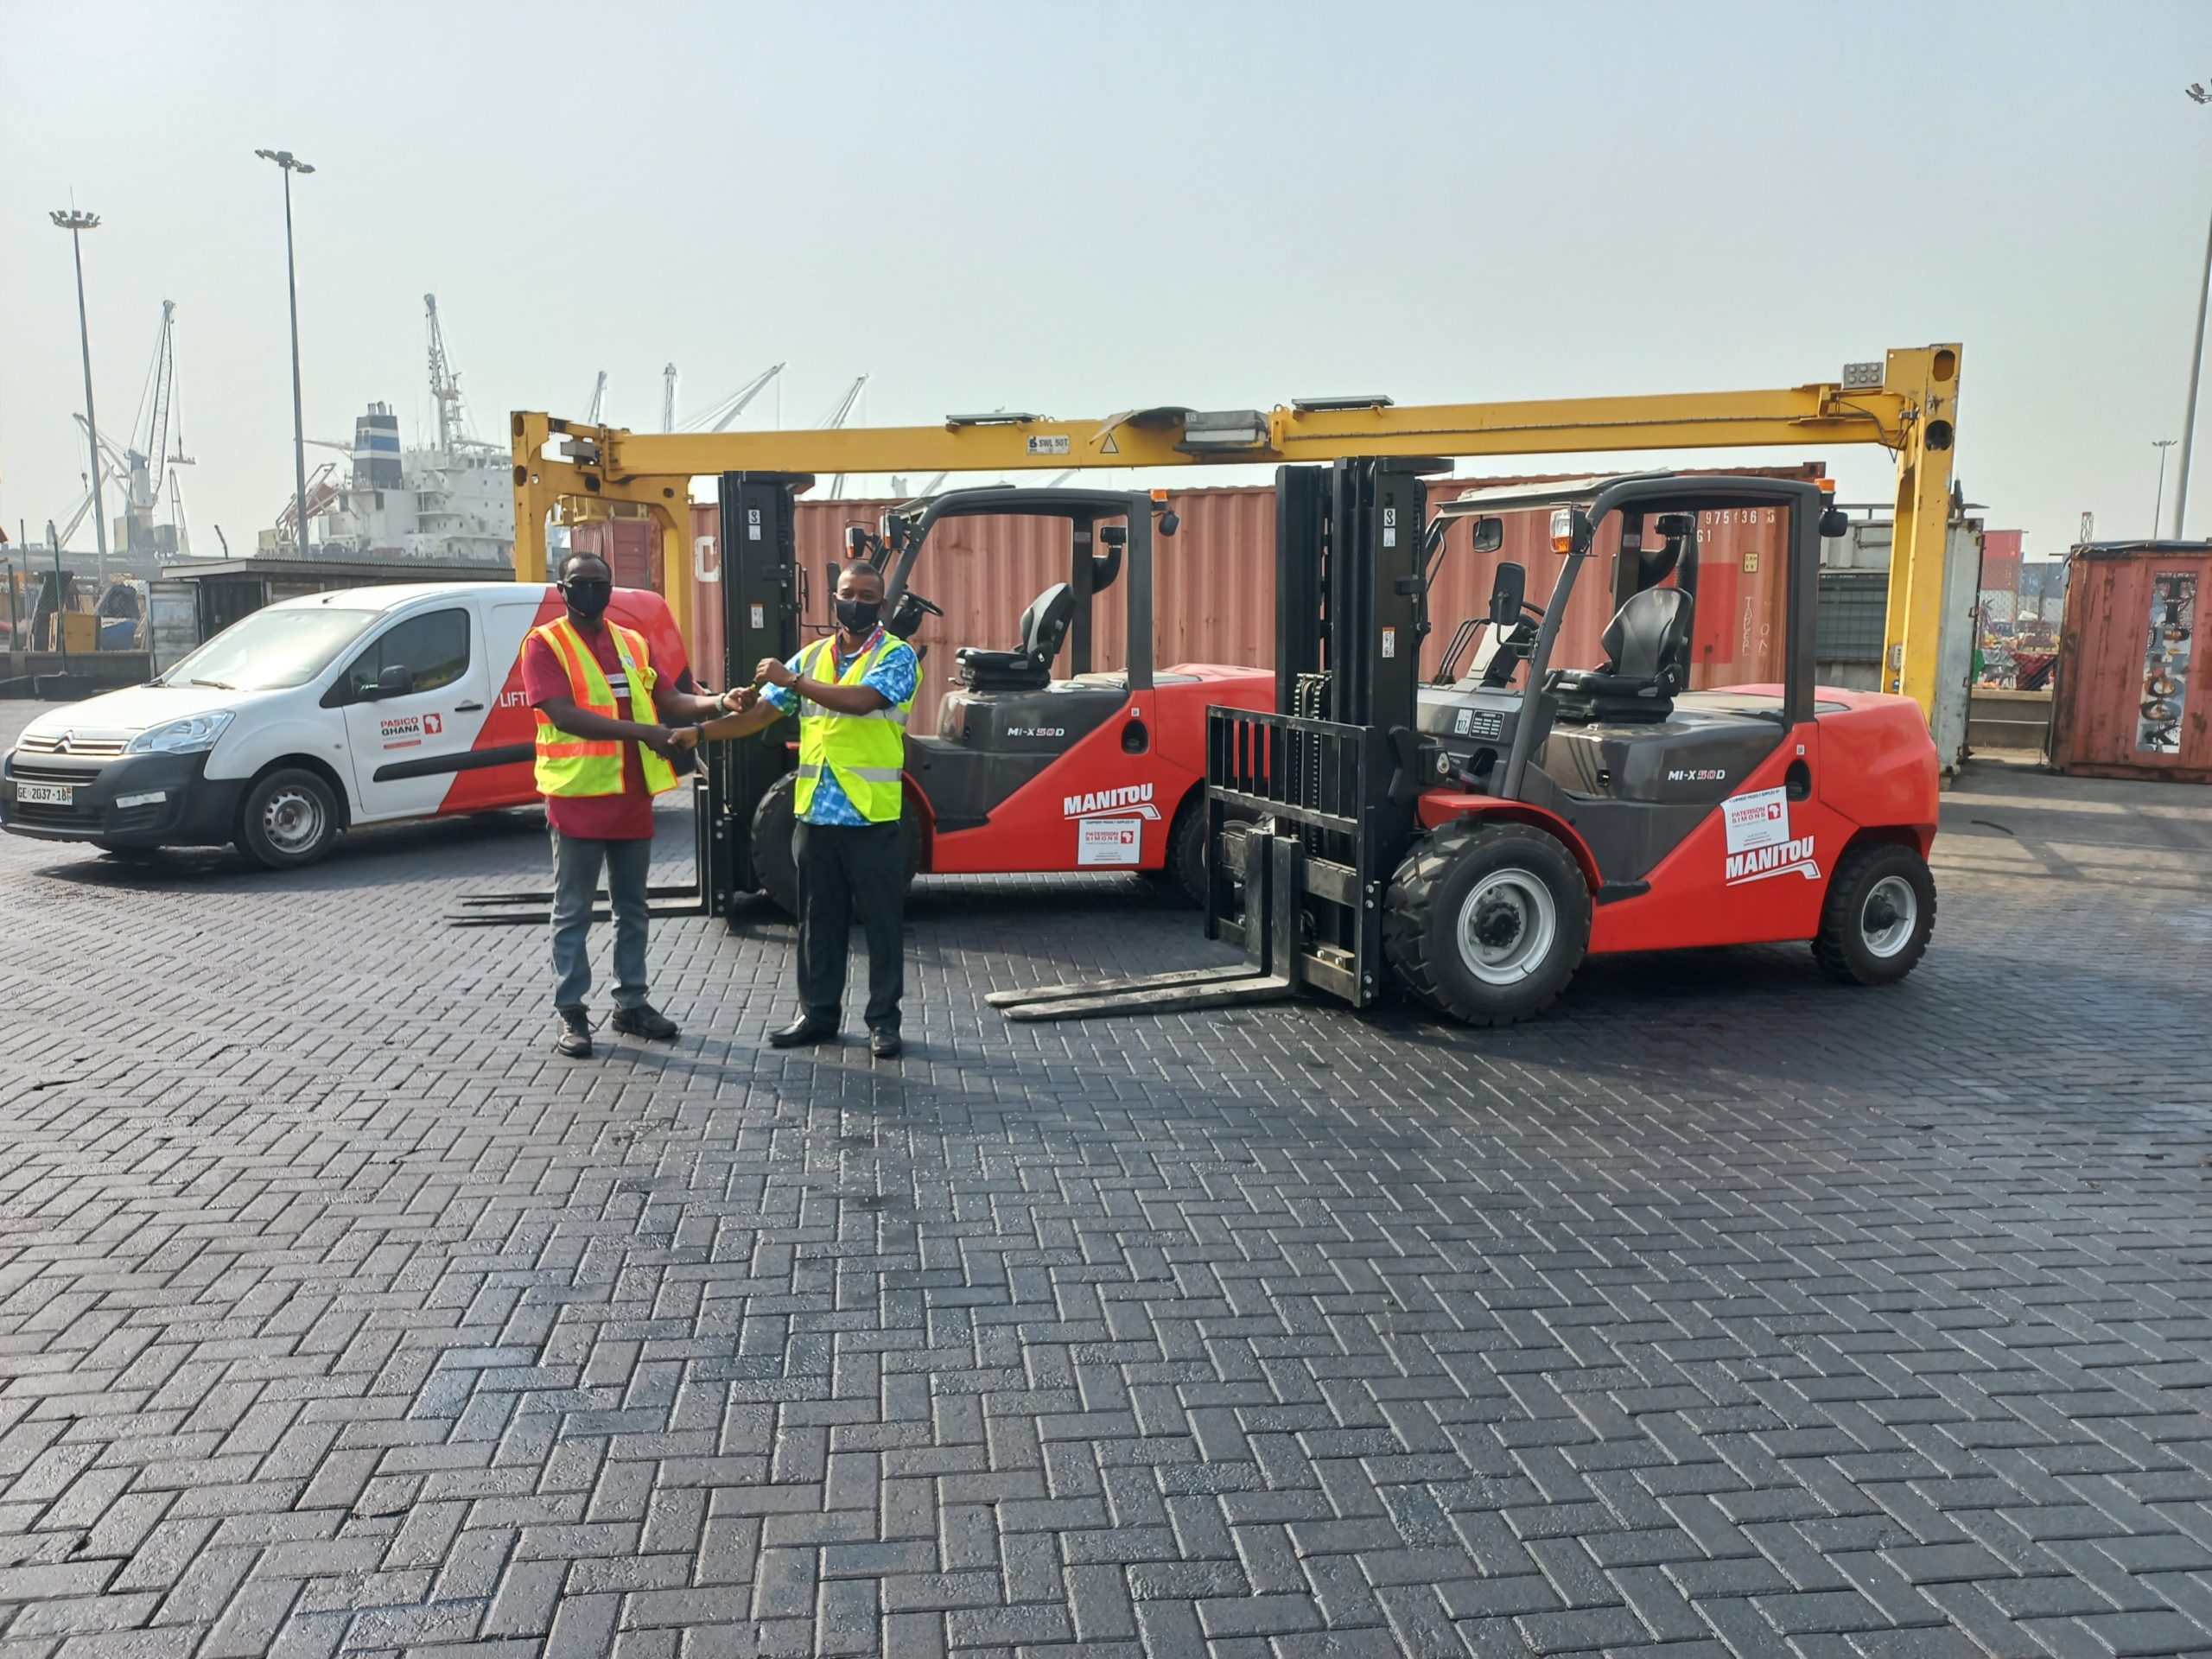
(1470, 844)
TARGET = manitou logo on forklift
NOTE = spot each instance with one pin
(1136, 797)
(1470, 839)
(1790, 857)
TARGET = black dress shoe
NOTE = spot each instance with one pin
(644, 1020)
(574, 1041)
(802, 1032)
(883, 1043)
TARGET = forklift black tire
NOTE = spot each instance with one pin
(1879, 912)
(287, 820)
(777, 817)
(1186, 869)
(1487, 922)
(1185, 872)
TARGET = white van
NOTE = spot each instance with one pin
(366, 705)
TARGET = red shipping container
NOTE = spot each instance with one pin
(2000, 561)
(2134, 697)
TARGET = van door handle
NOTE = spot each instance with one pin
(467, 707)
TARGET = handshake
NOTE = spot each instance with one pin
(668, 741)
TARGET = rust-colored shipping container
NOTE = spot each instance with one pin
(2134, 697)
(1214, 584)
(630, 546)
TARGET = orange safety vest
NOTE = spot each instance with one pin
(568, 765)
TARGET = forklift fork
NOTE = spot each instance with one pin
(1269, 972)
(1333, 773)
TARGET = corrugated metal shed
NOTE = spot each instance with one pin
(1214, 582)
(2134, 697)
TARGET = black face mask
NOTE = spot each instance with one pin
(588, 595)
(858, 616)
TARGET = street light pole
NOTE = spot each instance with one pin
(2161, 445)
(77, 224)
(2197, 94)
(292, 164)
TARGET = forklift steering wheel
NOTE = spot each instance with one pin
(924, 606)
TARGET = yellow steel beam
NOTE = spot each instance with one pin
(1921, 535)
(1814, 413)
(1911, 413)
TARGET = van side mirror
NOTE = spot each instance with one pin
(1490, 534)
(1833, 523)
(1508, 590)
(396, 681)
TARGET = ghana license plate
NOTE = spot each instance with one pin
(46, 794)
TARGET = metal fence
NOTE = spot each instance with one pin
(2015, 648)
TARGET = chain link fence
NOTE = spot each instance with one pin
(2015, 647)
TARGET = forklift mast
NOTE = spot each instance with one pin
(1336, 766)
(1348, 536)
(1310, 807)
(762, 601)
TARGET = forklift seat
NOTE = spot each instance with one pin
(1647, 661)
(1028, 666)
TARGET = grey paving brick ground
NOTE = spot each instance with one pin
(1724, 1311)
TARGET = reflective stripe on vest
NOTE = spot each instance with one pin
(865, 754)
(568, 765)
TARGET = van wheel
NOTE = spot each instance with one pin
(288, 820)
(1879, 912)
(777, 817)
(1487, 923)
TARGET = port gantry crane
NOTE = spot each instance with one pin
(1907, 404)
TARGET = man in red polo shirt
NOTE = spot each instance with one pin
(595, 827)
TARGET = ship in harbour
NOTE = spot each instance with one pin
(448, 503)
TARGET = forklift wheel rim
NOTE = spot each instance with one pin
(292, 820)
(1893, 897)
(1526, 952)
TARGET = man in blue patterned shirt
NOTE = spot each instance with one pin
(851, 693)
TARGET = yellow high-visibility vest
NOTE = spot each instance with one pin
(568, 765)
(864, 753)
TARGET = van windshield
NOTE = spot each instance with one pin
(271, 650)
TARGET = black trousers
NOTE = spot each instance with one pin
(844, 869)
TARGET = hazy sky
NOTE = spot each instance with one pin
(1080, 209)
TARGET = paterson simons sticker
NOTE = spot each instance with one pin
(1760, 841)
(1109, 841)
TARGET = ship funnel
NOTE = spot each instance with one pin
(376, 449)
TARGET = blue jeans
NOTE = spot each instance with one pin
(576, 861)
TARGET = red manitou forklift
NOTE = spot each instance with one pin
(1093, 771)
(1470, 841)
